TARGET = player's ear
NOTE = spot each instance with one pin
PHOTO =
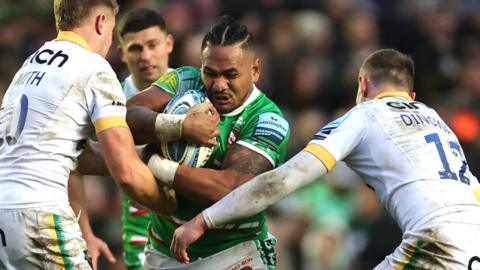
(170, 42)
(120, 52)
(100, 24)
(363, 83)
(256, 69)
(413, 95)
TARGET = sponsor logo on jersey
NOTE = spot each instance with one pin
(47, 56)
(118, 103)
(272, 127)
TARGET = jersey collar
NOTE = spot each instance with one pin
(255, 93)
(394, 94)
(74, 38)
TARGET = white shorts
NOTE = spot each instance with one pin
(244, 256)
(443, 246)
(41, 238)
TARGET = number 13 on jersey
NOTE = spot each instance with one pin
(457, 154)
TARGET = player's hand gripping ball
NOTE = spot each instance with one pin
(181, 151)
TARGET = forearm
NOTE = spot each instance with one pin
(141, 121)
(142, 187)
(130, 172)
(207, 185)
(266, 189)
(76, 194)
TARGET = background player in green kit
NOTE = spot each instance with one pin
(253, 139)
(144, 47)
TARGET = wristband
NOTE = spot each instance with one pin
(168, 127)
(163, 169)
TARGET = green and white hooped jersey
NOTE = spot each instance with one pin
(259, 125)
(134, 220)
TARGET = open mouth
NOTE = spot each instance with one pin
(221, 99)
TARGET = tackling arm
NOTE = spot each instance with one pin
(249, 199)
(133, 176)
(266, 189)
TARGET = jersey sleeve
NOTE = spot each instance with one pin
(105, 101)
(338, 139)
(180, 79)
(267, 135)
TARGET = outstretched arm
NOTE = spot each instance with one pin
(95, 245)
(250, 198)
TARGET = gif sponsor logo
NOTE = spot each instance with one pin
(474, 263)
(3, 240)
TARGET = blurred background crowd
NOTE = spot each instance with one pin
(310, 51)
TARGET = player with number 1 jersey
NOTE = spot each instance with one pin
(257, 124)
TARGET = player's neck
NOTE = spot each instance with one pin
(88, 37)
(143, 84)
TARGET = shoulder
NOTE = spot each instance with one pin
(180, 74)
(263, 104)
(188, 71)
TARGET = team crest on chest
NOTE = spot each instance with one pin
(235, 133)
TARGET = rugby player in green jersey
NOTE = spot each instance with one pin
(144, 47)
(253, 138)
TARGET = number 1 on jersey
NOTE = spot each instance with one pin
(14, 120)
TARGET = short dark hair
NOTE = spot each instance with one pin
(390, 66)
(70, 13)
(229, 31)
(138, 20)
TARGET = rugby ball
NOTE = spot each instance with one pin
(181, 151)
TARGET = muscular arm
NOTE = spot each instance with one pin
(209, 185)
(133, 176)
(250, 198)
(146, 120)
(266, 189)
(142, 110)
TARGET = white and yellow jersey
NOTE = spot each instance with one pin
(55, 101)
(406, 153)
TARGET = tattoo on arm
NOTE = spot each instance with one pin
(245, 161)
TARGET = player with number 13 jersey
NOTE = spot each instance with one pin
(428, 183)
